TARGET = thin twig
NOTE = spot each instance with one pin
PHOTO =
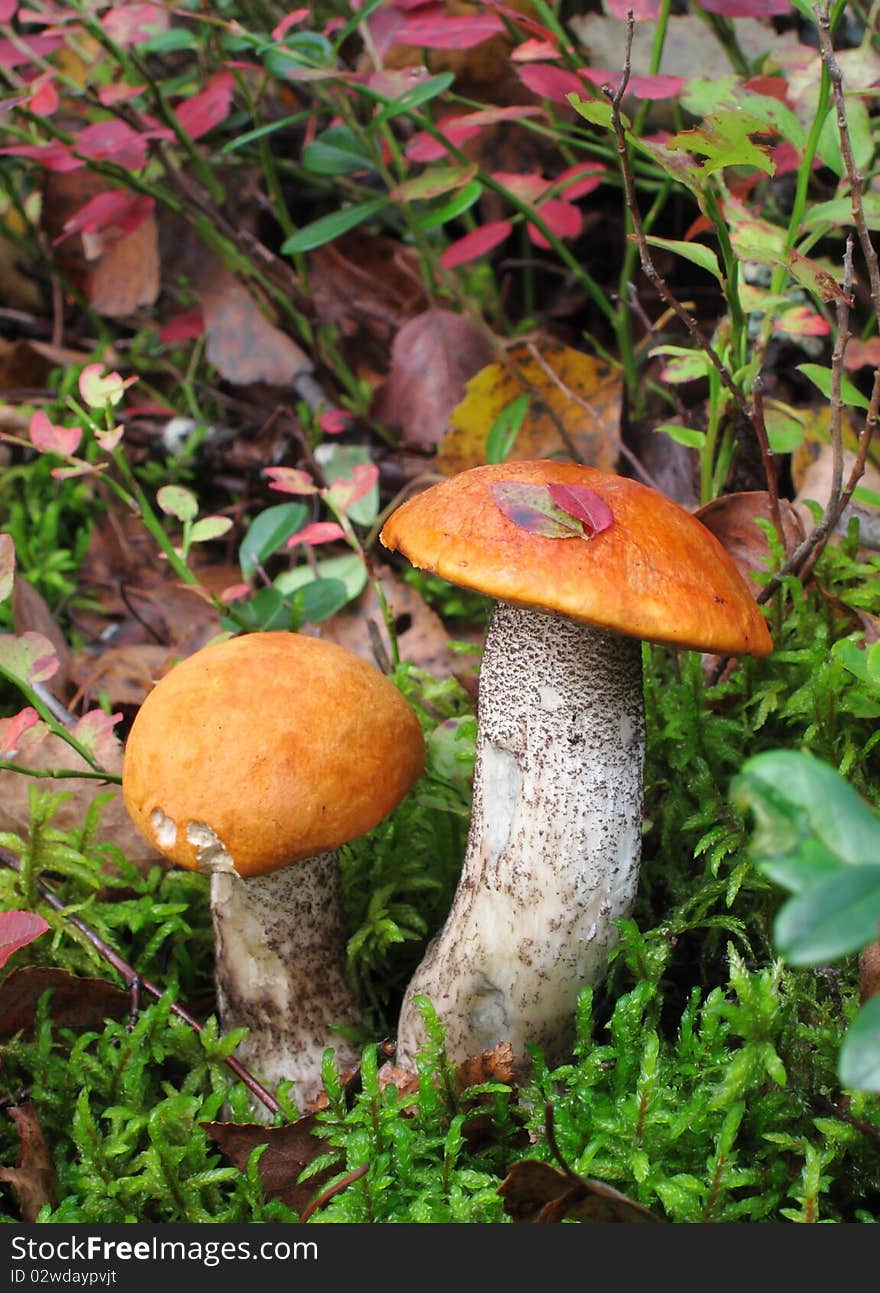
(648, 267)
(131, 978)
(770, 473)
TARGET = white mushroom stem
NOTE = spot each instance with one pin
(280, 969)
(555, 838)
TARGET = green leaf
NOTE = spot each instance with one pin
(178, 502)
(796, 797)
(337, 151)
(27, 657)
(349, 570)
(505, 429)
(416, 96)
(209, 527)
(460, 202)
(839, 212)
(433, 182)
(693, 251)
(267, 610)
(830, 918)
(724, 139)
(689, 436)
(168, 42)
(321, 598)
(332, 226)
(268, 532)
(859, 1061)
(821, 377)
(597, 111)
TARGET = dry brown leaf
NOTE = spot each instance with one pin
(117, 273)
(540, 1193)
(365, 287)
(33, 1177)
(289, 1150)
(421, 636)
(869, 971)
(815, 484)
(28, 363)
(574, 409)
(495, 1065)
(41, 750)
(77, 1003)
(125, 271)
(242, 343)
(433, 356)
(732, 519)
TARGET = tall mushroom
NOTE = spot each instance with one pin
(555, 839)
(253, 760)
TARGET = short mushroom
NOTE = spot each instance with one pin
(253, 760)
(555, 840)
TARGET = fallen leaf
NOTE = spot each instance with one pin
(574, 409)
(495, 1065)
(815, 484)
(540, 1193)
(732, 519)
(77, 1003)
(17, 929)
(289, 1150)
(33, 1177)
(242, 343)
(432, 358)
(40, 749)
(422, 638)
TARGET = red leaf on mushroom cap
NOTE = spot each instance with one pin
(584, 504)
(553, 511)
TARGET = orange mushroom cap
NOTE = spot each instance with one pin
(283, 746)
(656, 573)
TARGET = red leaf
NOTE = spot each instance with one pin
(55, 156)
(570, 187)
(861, 354)
(642, 10)
(561, 217)
(48, 438)
(44, 96)
(474, 244)
(290, 480)
(132, 24)
(114, 208)
(291, 20)
(17, 929)
(425, 148)
(116, 141)
(7, 9)
(27, 48)
(317, 532)
(119, 93)
(640, 87)
(584, 505)
(747, 8)
(535, 51)
(183, 326)
(203, 111)
(334, 421)
(343, 494)
(440, 31)
(20, 723)
(528, 186)
(550, 82)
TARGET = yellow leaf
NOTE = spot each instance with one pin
(573, 412)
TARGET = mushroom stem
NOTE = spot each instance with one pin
(280, 970)
(555, 838)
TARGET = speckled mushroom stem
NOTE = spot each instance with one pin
(280, 970)
(555, 839)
